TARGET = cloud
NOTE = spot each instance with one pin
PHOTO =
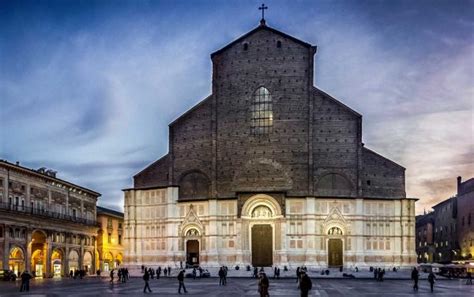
(90, 91)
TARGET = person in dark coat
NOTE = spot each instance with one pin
(469, 279)
(112, 276)
(376, 274)
(431, 280)
(25, 281)
(263, 285)
(146, 278)
(158, 272)
(415, 275)
(305, 284)
(221, 277)
(181, 282)
(298, 274)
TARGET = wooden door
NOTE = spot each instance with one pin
(335, 252)
(262, 245)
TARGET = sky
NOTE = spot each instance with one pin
(88, 88)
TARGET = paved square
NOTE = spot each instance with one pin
(235, 287)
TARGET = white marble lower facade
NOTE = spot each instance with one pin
(362, 232)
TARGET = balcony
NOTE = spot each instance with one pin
(45, 213)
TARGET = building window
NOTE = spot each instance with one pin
(120, 239)
(262, 112)
(246, 46)
(109, 238)
(109, 223)
(120, 226)
(74, 213)
(278, 44)
(469, 219)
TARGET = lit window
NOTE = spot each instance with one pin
(262, 112)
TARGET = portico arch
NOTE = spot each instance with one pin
(260, 213)
(16, 260)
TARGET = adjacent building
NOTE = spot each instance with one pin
(269, 170)
(109, 239)
(425, 247)
(47, 225)
(447, 233)
(465, 218)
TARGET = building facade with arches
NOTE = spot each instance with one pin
(47, 225)
(269, 170)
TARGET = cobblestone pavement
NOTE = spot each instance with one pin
(235, 287)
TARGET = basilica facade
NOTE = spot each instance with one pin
(269, 170)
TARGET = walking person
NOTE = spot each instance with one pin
(112, 276)
(431, 280)
(469, 278)
(181, 282)
(158, 272)
(415, 275)
(263, 285)
(298, 274)
(194, 273)
(165, 271)
(146, 278)
(305, 284)
(221, 277)
(25, 281)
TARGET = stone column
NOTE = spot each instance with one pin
(49, 252)
(6, 248)
(29, 245)
(6, 188)
(81, 253)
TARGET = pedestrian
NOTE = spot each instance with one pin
(181, 282)
(221, 276)
(431, 280)
(194, 273)
(225, 275)
(146, 278)
(119, 274)
(305, 284)
(298, 274)
(255, 272)
(278, 273)
(275, 272)
(415, 275)
(376, 274)
(25, 281)
(98, 272)
(169, 270)
(158, 272)
(263, 285)
(469, 278)
(112, 276)
(71, 273)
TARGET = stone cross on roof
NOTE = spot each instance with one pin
(262, 8)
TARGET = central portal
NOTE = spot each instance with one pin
(262, 245)
(335, 252)
(192, 252)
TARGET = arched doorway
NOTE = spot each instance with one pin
(192, 252)
(16, 260)
(335, 255)
(57, 262)
(38, 253)
(87, 262)
(73, 260)
(118, 260)
(108, 262)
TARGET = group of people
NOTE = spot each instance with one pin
(147, 274)
(223, 276)
(77, 273)
(379, 273)
(415, 276)
(166, 271)
(122, 274)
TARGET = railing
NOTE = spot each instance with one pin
(45, 213)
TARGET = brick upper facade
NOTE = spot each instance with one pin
(314, 147)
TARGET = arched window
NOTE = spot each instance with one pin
(278, 44)
(262, 112)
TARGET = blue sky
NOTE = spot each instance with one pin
(88, 87)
